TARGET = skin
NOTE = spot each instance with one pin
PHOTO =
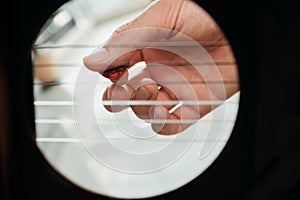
(173, 15)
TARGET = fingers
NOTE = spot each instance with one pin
(165, 119)
(114, 93)
(144, 89)
(148, 90)
(169, 123)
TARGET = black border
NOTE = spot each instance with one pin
(260, 160)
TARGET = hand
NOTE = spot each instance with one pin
(172, 19)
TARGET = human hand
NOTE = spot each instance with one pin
(170, 21)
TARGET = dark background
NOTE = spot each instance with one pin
(261, 160)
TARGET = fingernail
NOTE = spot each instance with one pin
(142, 94)
(157, 112)
(95, 58)
(108, 94)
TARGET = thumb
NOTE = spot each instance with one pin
(114, 52)
(125, 43)
(124, 46)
